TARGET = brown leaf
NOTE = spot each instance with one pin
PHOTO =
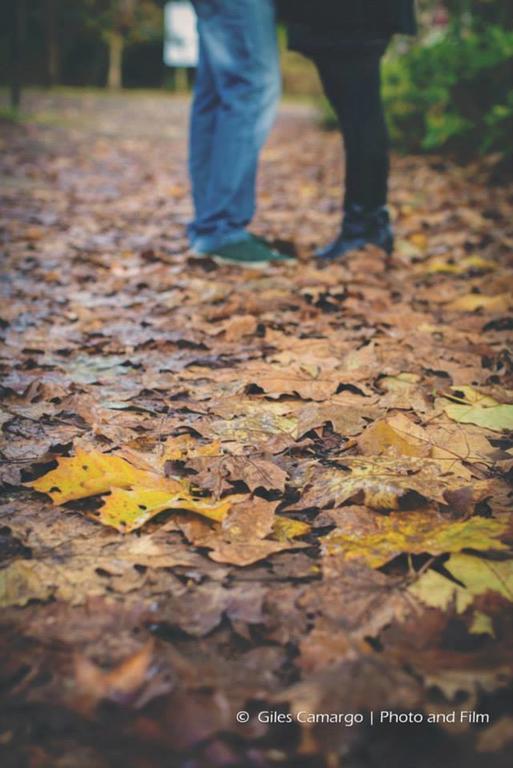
(382, 483)
(121, 684)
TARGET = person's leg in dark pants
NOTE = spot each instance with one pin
(352, 82)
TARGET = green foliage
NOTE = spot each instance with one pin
(135, 20)
(453, 92)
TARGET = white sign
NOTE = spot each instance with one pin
(180, 34)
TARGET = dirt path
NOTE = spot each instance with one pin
(337, 443)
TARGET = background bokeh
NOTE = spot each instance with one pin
(449, 90)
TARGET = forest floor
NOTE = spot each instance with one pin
(281, 493)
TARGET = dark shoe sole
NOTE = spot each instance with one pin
(357, 245)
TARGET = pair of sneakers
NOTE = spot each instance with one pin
(361, 227)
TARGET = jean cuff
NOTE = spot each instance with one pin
(208, 243)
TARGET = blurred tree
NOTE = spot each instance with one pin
(14, 18)
(52, 41)
(121, 22)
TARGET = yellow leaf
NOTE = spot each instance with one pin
(469, 406)
(473, 301)
(419, 240)
(415, 533)
(477, 576)
(470, 396)
(91, 473)
(286, 528)
(480, 576)
(481, 624)
(128, 510)
(459, 267)
(396, 434)
(21, 582)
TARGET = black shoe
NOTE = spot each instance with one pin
(361, 227)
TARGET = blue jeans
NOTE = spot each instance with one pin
(235, 100)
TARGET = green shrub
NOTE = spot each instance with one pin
(452, 93)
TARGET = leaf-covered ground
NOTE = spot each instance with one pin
(225, 491)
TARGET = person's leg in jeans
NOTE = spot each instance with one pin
(352, 84)
(236, 95)
(202, 129)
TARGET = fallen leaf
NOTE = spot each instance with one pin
(92, 473)
(476, 576)
(20, 583)
(459, 266)
(415, 533)
(121, 684)
(250, 533)
(397, 435)
(471, 407)
(381, 482)
(404, 392)
(285, 528)
(481, 624)
(128, 510)
(471, 302)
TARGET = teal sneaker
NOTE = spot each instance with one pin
(252, 253)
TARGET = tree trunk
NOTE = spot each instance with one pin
(52, 42)
(17, 38)
(115, 77)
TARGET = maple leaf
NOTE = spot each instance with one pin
(396, 434)
(381, 481)
(469, 406)
(403, 391)
(92, 473)
(254, 428)
(415, 533)
(346, 419)
(476, 576)
(255, 472)
(128, 510)
(308, 381)
(453, 443)
(135, 495)
(250, 533)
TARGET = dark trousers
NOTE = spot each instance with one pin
(352, 81)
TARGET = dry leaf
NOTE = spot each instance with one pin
(469, 406)
(382, 483)
(415, 533)
(90, 473)
(128, 510)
